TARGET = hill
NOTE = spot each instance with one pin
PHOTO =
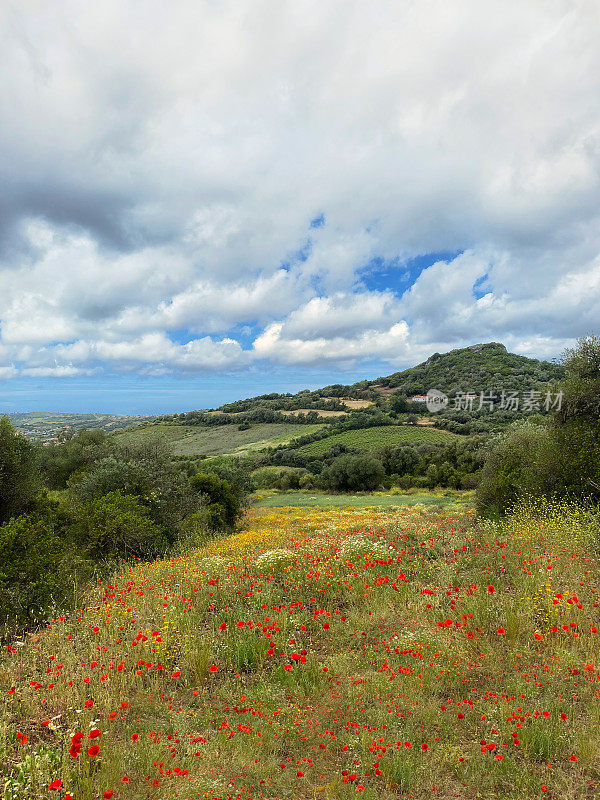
(477, 368)
(334, 411)
(272, 420)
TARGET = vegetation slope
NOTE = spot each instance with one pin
(321, 655)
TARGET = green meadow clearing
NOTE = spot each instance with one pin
(377, 500)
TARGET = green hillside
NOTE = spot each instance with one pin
(376, 438)
(477, 368)
(193, 440)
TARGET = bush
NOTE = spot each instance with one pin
(277, 478)
(59, 461)
(147, 473)
(353, 473)
(560, 459)
(399, 459)
(223, 506)
(111, 474)
(33, 575)
(116, 525)
(307, 481)
(19, 478)
(518, 462)
(196, 531)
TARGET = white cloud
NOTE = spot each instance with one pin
(164, 180)
(343, 314)
(151, 351)
(8, 372)
(63, 371)
(389, 344)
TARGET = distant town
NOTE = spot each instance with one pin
(50, 428)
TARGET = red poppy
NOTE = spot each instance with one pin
(108, 794)
(55, 785)
(93, 750)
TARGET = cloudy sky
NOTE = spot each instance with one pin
(205, 200)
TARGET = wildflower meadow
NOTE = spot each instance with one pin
(323, 653)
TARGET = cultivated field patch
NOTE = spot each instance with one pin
(378, 437)
(196, 440)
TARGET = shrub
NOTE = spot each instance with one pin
(59, 461)
(111, 474)
(307, 481)
(277, 478)
(518, 462)
(561, 459)
(33, 576)
(353, 473)
(223, 506)
(115, 525)
(19, 478)
(195, 531)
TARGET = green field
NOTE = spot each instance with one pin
(375, 438)
(194, 440)
(317, 500)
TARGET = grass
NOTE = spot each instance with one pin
(379, 500)
(194, 440)
(321, 653)
(376, 438)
